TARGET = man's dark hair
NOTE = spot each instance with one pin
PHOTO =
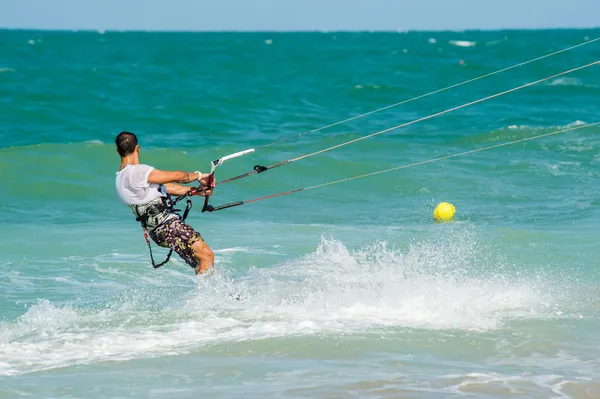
(126, 142)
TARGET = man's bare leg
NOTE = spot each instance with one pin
(205, 257)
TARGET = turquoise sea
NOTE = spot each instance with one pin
(348, 291)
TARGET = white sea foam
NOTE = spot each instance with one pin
(569, 82)
(565, 82)
(528, 127)
(462, 43)
(245, 250)
(563, 168)
(332, 290)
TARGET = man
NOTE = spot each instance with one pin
(146, 191)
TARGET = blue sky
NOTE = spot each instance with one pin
(298, 14)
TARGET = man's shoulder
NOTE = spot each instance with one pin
(137, 166)
(142, 167)
(133, 170)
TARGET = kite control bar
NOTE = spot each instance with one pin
(213, 166)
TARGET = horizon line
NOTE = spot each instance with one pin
(153, 30)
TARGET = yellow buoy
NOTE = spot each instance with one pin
(444, 212)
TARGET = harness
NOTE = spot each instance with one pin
(155, 213)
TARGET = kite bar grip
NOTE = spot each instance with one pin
(219, 161)
(237, 154)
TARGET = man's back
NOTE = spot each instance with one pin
(133, 187)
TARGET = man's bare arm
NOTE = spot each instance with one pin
(164, 177)
(178, 190)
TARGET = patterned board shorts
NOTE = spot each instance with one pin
(178, 236)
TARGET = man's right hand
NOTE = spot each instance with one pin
(204, 182)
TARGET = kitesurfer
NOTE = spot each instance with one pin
(147, 192)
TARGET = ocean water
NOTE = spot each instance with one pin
(349, 290)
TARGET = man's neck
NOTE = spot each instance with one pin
(129, 160)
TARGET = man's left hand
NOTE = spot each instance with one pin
(200, 191)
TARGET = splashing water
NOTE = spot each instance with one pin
(333, 290)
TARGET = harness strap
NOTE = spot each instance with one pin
(188, 206)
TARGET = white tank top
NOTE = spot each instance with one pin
(133, 187)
